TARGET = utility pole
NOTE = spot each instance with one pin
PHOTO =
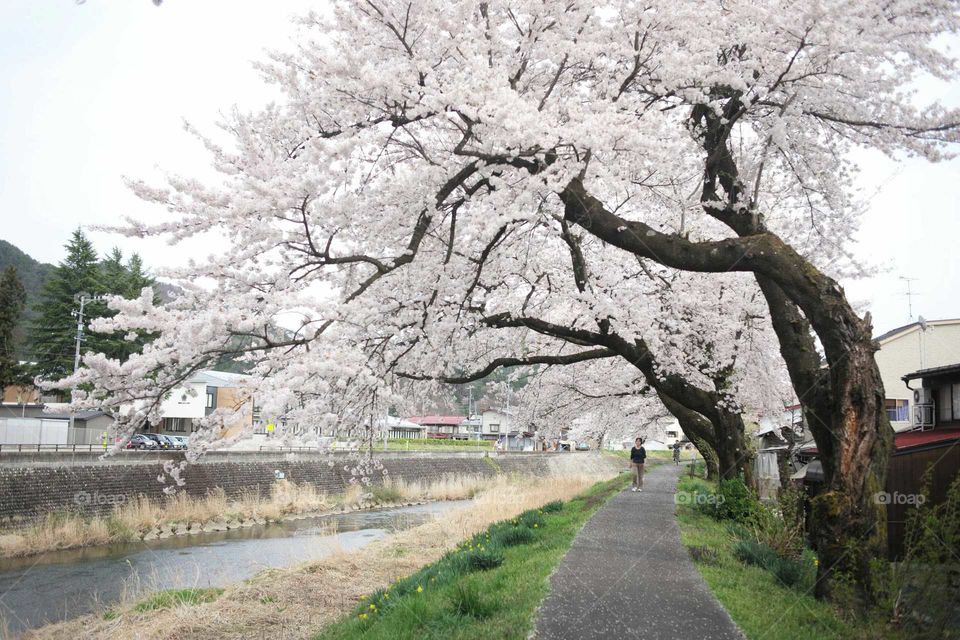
(83, 298)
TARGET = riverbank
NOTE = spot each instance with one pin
(149, 519)
(299, 602)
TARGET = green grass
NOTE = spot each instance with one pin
(757, 601)
(411, 444)
(176, 598)
(489, 587)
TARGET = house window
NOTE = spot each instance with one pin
(495, 428)
(177, 425)
(210, 400)
(671, 434)
(897, 410)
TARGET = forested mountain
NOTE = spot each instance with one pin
(33, 275)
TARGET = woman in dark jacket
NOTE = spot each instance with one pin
(638, 455)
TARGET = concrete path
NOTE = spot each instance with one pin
(628, 576)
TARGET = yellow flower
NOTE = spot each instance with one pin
(373, 607)
(363, 597)
(536, 526)
(363, 616)
(419, 589)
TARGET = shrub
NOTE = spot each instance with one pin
(553, 507)
(735, 501)
(467, 600)
(514, 535)
(772, 529)
(789, 572)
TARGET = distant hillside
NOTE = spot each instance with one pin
(33, 274)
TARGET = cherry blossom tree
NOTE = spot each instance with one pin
(509, 183)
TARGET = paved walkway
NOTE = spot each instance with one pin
(628, 576)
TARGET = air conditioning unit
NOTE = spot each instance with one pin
(923, 395)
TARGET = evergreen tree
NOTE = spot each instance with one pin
(52, 333)
(127, 281)
(137, 278)
(12, 301)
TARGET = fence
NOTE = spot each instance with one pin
(32, 431)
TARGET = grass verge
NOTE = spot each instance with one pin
(489, 587)
(761, 605)
(177, 598)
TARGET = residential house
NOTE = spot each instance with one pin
(926, 458)
(201, 395)
(925, 344)
(447, 427)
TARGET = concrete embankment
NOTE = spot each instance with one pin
(29, 489)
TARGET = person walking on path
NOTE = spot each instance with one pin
(638, 455)
(676, 453)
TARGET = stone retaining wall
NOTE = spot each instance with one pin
(29, 491)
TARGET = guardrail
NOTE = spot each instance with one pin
(20, 448)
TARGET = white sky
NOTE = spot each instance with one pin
(97, 91)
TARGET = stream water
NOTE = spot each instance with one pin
(60, 585)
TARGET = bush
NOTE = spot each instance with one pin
(553, 507)
(735, 501)
(772, 529)
(514, 535)
(789, 572)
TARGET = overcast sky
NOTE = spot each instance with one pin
(97, 91)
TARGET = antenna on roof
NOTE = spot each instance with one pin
(909, 294)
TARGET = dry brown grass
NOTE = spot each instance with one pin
(297, 602)
(131, 520)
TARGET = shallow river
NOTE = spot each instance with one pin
(64, 584)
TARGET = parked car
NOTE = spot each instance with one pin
(162, 442)
(583, 446)
(179, 442)
(140, 441)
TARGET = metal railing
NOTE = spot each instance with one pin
(100, 448)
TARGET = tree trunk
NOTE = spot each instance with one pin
(843, 408)
(849, 519)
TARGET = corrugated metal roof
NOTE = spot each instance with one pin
(444, 420)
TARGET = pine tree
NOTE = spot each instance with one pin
(137, 278)
(13, 298)
(53, 332)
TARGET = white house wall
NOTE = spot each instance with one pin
(181, 403)
(901, 354)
